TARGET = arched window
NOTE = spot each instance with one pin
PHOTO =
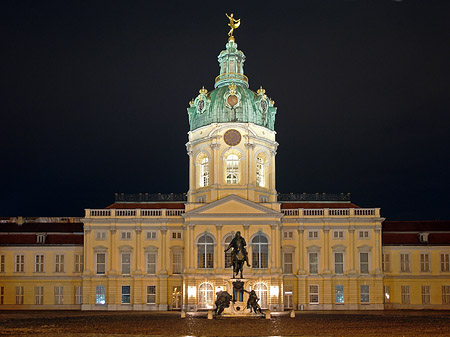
(260, 250)
(205, 296)
(260, 172)
(232, 169)
(228, 263)
(205, 251)
(261, 291)
(204, 172)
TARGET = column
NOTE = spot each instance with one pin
(163, 231)
(191, 170)
(192, 248)
(138, 252)
(300, 251)
(218, 260)
(326, 257)
(113, 263)
(378, 248)
(187, 247)
(275, 248)
(351, 252)
(88, 259)
(272, 175)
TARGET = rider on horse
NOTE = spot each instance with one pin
(238, 243)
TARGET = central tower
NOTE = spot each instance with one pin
(232, 143)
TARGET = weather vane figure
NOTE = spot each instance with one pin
(234, 24)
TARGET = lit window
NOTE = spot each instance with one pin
(205, 251)
(59, 263)
(261, 291)
(126, 294)
(101, 263)
(338, 263)
(100, 297)
(205, 296)
(260, 172)
(313, 294)
(204, 172)
(126, 263)
(260, 251)
(151, 263)
(313, 263)
(39, 263)
(365, 293)
(405, 295)
(387, 294)
(39, 295)
(424, 262)
(59, 294)
(151, 294)
(287, 259)
(404, 263)
(445, 262)
(364, 263)
(339, 293)
(232, 169)
(426, 295)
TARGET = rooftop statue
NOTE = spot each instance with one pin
(234, 24)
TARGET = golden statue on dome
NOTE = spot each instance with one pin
(234, 24)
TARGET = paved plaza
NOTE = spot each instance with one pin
(76, 323)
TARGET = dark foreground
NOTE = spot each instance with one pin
(76, 323)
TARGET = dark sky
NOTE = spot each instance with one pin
(94, 96)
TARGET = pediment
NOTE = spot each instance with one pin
(233, 204)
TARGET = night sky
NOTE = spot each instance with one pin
(94, 96)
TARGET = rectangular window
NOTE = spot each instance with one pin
(445, 294)
(151, 235)
(126, 263)
(100, 235)
(387, 294)
(151, 294)
(20, 264)
(365, 293)
(176, 235)
(314, 294)
(405, 295)
(426, 296)
(19, 295)
(364, 263)
(424, 262)
(337, 235)
(78, 295)
(39, 263)
(386, 262)
(126, 294)
(287, 259)
(59, 263)
(313, 263)
(445, 262)
(363, 234)
(79, 263)
(59, 294)
(313, 235)
(2, 263)
(288, 234)
(151, 263)
(176, 263)
(100, 297)
(101, 263)
(2, 295)
(339, 294)
(404, 263)
(39, 295)
(339, 263)
(125, 235)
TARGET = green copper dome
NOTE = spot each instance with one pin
(231, 100)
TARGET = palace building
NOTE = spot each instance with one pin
(167, 252)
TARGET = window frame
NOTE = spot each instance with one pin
(260, 251)
(38, 295)
(59, 295)
(405, 294)
(78, 259)
(19, 263)
(39, 260)
(60, 260)
(364, 296)
(405, 262)
(124, 264)
(312, 263)
(97, 263)
(445, 262)
(338, 263)
(313, 295)
(125, 297)
(339, 294)
(425, 263)
(100, 294)
(151, 294)
(205, 251)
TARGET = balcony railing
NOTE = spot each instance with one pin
(313, 196)
(331, 212)
(133, 213)
(141, 197)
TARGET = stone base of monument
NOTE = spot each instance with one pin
(238, 307)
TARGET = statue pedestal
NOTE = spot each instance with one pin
(238, 307)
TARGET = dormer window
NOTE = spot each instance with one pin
(40, 237)
(423, 237)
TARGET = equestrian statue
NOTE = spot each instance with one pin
(239, 254)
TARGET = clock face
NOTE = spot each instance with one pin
(232, 137)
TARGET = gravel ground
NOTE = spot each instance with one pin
(355, 324)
